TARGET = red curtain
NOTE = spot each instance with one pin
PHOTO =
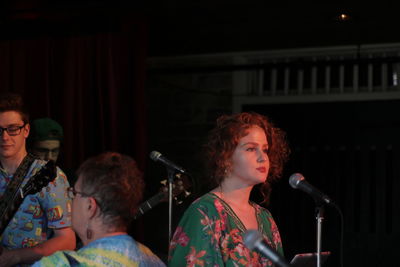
(91, 83)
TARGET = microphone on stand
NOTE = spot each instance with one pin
(255, 241)
(157, 156)
(297, 181)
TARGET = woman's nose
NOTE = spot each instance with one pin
(261, 157)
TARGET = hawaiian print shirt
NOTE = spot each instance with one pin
(120, 250)
(210, 234)
(39, 213)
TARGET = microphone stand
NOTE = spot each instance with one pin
(171, 175)
(320, 217)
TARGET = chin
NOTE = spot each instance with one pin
(7, 154)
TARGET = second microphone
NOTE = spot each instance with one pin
(157, 156)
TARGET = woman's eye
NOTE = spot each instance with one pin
(250, 149)
(266, 151)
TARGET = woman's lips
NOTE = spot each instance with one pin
(262, 169)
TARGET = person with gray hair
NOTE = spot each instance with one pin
(105, 199)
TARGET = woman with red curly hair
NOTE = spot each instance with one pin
(243, 150)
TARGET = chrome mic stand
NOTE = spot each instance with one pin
(320, 217)
(171, 175)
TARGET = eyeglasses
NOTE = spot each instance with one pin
(72, 193)
(12, 130)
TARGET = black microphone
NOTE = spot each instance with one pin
(156, 156)
(297, 181)
(255, 241)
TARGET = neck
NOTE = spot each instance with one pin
(100, 230)
(10, 164)
(101, 235)
(234, 194)
(115, 233)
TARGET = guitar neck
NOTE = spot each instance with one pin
(35, 183)
(8, 212)
(149, 204)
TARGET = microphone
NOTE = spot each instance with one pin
(297, 181)
(156, 156)
(255, 241)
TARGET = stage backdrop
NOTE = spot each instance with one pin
(91, 80)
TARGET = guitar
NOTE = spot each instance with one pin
(178, 187)
(41, 179)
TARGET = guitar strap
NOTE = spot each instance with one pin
(16, 182)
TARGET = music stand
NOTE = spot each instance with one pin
(308, 259)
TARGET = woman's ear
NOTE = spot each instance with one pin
(91, 206)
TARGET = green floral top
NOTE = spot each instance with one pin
(210, 234)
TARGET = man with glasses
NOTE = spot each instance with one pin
(42, 223)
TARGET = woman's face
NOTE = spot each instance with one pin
(250, 162)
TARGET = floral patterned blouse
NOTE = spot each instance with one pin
(210, 234)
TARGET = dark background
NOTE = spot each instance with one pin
(84, 63)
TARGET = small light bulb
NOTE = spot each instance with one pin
(343, 17)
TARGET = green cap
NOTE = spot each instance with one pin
(46, 129)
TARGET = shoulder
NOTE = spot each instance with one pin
(270, 226)
(124, 245)
(148, 255)
(265, 215)
(261, 210)
(207, 203)
(58, 258)
(39, 164)
(204, 210)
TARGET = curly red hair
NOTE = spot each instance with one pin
(224, 137)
